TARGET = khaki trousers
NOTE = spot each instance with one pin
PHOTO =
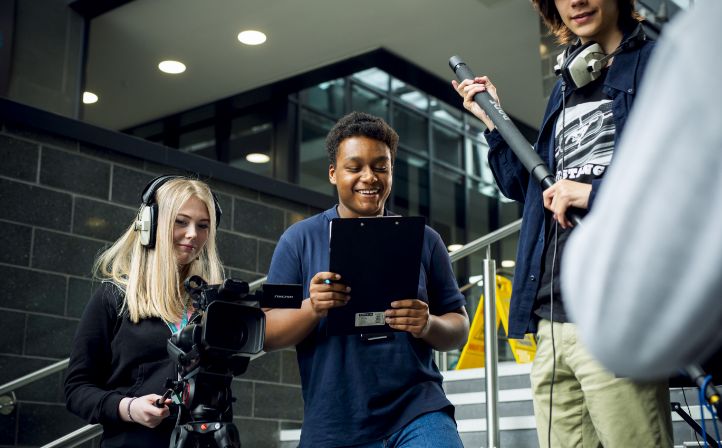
(590, 406)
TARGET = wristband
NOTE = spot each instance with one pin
(130, 417)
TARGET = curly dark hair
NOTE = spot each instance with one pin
(360, 124)
(628, 17)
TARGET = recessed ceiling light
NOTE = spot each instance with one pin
(90, 98)
(257, 157)
(172, 67)
(251, 37)
(508, 263)
(453, 247)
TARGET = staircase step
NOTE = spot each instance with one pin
(510, 376)
(504, 409)
(505, 395)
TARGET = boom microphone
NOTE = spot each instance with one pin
(518, 144)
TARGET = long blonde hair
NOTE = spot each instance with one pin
(151, 278)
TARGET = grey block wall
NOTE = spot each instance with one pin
(64, 201)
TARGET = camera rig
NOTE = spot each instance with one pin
(226, 331)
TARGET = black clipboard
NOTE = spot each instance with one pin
(380, 259)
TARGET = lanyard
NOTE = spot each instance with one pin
(174, 328)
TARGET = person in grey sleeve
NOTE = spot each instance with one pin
(642, 277)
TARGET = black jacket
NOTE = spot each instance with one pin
(114, 358)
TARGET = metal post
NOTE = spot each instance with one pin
(490, 352)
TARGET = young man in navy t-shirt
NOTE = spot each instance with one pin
(360, 393)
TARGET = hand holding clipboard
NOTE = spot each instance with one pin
(380, 260)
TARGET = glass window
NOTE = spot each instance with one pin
(327, 97)
(474, 126)
(151, 131)
(440, 147)
(443, 112)
(447, 145)
(201, 142)
(313, 159)
(412, 129)
(366, 101)
(373, 77)
(448, 205)
(251, 144)
(197, 115)
(409, 95)
(475, 278)
(475, 156)
(479, 207)
(477, 162)
(509, 211)
(506, 250)
(411, 185)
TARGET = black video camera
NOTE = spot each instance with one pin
(217, 344)
(230, 322)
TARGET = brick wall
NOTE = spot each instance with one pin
(64, 201)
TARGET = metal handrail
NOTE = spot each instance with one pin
(34, 376)
(75, 438)
(486, 240)
(470, 248)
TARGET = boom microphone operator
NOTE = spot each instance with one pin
(518, 144)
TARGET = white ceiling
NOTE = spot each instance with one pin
(495, 37)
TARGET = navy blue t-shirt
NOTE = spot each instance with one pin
(353, 391)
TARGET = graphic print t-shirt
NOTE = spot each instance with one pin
(583, 147)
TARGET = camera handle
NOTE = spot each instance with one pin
(172, 387)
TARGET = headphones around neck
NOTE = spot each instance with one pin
(147, 222)
(581, 64)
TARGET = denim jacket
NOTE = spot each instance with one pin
(620, 85)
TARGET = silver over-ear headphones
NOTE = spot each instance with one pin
(147, 222)
(579, 65)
